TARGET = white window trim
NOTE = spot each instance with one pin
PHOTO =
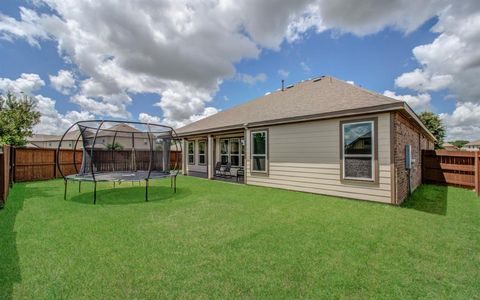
(359, 155)
(190, 154)
(204, 154)
(259, 155)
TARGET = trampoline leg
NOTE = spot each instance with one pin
(114, 184)
(146, 190)
(175, 184)
(94, 192)
(79, 186)
(65, 191)
(171, 181)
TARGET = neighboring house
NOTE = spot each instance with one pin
(52, 141)
(450, 147)
(472, 146)
(321, 136)
(123, 134)
(126, 136)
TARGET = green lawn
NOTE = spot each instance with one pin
(219, 240)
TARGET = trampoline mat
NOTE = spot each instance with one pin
(121, 176)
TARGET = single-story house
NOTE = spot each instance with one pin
(472, 146)
(322, 136)
(52, 141)
(449, 147)
(126, 136)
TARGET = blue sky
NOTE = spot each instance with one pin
(175, 74)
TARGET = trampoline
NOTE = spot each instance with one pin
(119, 151)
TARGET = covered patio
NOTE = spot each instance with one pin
(216, 156)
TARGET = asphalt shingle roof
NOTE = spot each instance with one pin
(322, 95)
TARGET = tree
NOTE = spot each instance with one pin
(115, 146)
(459, 143)
(435, 125)
(17, 118)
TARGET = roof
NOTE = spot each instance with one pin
(323, 97)
(474, 143)
(449, 145)
(71, 136)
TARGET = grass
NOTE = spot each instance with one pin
(219, 240)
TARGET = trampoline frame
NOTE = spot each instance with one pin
(172, 173)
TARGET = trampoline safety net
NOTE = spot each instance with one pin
(121, 151)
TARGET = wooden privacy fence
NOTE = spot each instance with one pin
(5, 173)
(40, 164)
(458, 168)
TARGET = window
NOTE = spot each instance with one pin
(191, 153)
(224, 151)
(201, 152)
(259, 151)
(232, 151)
(358, 150)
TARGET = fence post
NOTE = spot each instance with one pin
(477, 187)
(55, 164)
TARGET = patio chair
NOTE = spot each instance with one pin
(226, 170)
(218, 169)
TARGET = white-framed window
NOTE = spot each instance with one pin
(202, 145)
(358, 150)
(191, 152)
(259, 150)
(232, 150)
(224, 151)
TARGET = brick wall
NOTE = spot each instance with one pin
(405, 133)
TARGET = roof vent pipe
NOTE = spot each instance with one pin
(283, 85)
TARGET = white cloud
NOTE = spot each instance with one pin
(420, 80)
(251, 79)
(183, 50)
(146, 118)
(26, 83)
(283, 73)
(418, 102)
(452, 60)
(463, 122)
(53, 122)
(305, 67)
(112, 106)
(64, 82)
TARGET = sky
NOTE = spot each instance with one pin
(175, 62)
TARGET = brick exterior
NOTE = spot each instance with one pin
(406, 133)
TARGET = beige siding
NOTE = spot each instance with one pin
(306, 157)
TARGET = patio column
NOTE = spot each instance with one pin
(184, 157)
(210, 157)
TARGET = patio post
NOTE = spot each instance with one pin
(210, 158)
(184, 157)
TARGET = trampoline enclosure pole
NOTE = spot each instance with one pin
(65, 191)
(146, 190)
(94, 192)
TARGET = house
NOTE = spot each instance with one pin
(472, 146)
(52, 141)
(450, 147)
(322, 136)
(126, 136)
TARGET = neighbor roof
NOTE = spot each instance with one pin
(323, 97)
(474, 143)
(71, 136)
